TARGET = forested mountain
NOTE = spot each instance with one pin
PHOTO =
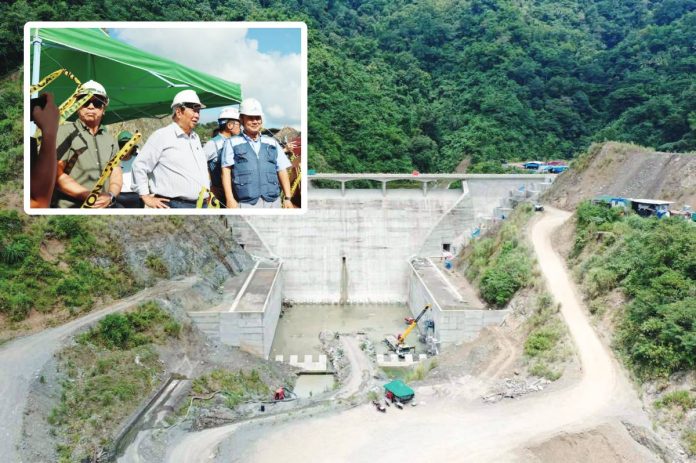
(421, 84)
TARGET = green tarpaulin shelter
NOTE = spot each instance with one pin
(139, 84)
(400, 390)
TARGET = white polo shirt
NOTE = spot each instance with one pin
(174, 163)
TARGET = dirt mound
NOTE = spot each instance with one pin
(629, 171)
(609, 443)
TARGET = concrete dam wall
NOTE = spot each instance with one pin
(355, 248)
(354, 245)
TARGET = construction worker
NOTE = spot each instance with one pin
(83, 149)
(171, 169)
(228, 126)
(129, 197)
(255, 163)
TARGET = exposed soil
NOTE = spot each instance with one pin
(450, 419)
(629, 171)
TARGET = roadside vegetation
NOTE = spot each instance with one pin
(57, 262)
(640, 273)
(501, 265)
(651, 263)
(235, 387)
(109, 370)
(547, 345)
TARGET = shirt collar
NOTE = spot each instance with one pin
(249, 139)
(100, 130)
(179, 132)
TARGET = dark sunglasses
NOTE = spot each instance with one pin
(193, 106)
(96, 102)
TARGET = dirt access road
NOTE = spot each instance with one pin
(448, 428)
(21, 361)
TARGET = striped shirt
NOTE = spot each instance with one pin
(174, 164)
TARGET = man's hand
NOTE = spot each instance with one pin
(47, 118)
(104, 200)
(287, 204)
(154, 202)
(290, 147)
(231, 203)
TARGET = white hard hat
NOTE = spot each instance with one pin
(186, 96)
(229, 113)
(251, 107)
(95, 87)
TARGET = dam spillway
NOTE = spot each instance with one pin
(368, 245)
(361, 240)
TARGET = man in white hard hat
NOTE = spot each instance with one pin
(228, 126)
(257, 164)
(84, 148)
(171, 168)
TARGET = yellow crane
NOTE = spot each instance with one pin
(402, 337)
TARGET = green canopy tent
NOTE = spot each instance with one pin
(400, 390)
(139, 84)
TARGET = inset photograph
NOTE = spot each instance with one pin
(165, 118)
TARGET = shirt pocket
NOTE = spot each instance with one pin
(242, 179)
(272, 178)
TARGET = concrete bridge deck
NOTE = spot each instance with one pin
(424, 179)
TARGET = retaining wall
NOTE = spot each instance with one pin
(451, 325)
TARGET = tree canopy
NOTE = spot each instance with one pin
(417, 84)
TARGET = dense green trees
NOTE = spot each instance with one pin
(409, 84)
(652, 262)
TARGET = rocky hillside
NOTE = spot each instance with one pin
(626, 170)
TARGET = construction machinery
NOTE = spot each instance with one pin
(397, 343)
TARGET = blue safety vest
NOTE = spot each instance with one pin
(255, 176)
(214, 165)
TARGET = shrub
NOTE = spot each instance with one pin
(10, 222)
(600, 280)
(157, 265)
(542, 370)
(690, 441)
(540, 341)
(172, 328)
(116, 330)
(66, 226)
(510, 273)
(682, 399)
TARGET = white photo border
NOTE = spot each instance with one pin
(167, 25)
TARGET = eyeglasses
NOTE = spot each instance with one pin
(192, 106)
(96, 102)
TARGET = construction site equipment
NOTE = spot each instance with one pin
(398, 392)
(402, 337)
(397, 343)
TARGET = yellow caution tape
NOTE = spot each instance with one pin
(213, 202)
(71, 105)
(51, 77)
(296, 183)
(94, 195)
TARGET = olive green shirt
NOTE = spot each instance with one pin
(89, 154)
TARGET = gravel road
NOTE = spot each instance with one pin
(447, 428)
(22, 359)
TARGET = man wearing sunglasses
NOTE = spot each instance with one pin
(84, 148)
(172, 168)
